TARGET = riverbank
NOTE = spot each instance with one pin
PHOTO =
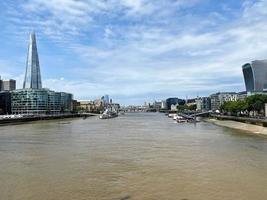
(9, 121)
(256, 129)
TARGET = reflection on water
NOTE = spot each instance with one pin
(136, 156)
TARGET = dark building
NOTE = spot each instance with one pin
(5, 103)
(174, 101)
(255, 76)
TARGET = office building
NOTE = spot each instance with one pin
(157, 105)
(174, 101)
(106, 98)
(255, 76)
(33, 99)
(203, 104)
(5, 103)
(7, 85)
(40, 101)
(219, 98)
(33, 74)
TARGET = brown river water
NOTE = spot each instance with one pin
(133, 157)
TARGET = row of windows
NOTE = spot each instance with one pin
(42, 101)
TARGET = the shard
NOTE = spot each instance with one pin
(32, 75)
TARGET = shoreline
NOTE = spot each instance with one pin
(16, 121)
(251, 128)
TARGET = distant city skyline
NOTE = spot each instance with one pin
(134, 50)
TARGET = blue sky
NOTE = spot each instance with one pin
(135, 50)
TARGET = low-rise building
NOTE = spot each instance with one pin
(87, 106)
(174, 107)
(163, 105)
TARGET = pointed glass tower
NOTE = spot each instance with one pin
(32, 75)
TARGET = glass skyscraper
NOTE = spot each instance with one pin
(33, 74)
(33, 99)
(255, 76)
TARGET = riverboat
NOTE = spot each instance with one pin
(109, 113)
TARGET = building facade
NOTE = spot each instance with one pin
(174, 101)
(163, 105)
(40, 102)
(203, 104)
(29, 101)
(216, 100)
(7, 85)
(255, 76)
(33, 99)
(5, 103)
(33, 74)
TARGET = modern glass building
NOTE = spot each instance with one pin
(33, 74)
(40, 101)
(54, 102)
(5, 102)
(65, 102)
(29, 101)
(255, 76)
(33, 99)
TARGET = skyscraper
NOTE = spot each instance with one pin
(255, 75)
(33, 99)
(32, 75)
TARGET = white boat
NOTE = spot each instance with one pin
(109, 113)
(171, 115)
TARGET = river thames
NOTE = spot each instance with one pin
(135, 156)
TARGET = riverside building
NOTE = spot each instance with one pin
(174, 102)
(33, 99)
(203, 104)
(216, 100)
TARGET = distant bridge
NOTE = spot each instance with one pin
(134, 109)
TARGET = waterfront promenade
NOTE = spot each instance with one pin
(135, 156)
(14, 119)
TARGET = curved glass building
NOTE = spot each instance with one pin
(255, 76)
(40, 101)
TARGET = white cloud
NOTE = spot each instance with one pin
(134, 47)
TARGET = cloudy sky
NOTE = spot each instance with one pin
(134, 50)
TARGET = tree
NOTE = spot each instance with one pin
(254, 103)
(192, 107)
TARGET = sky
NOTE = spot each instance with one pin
(134, 50)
